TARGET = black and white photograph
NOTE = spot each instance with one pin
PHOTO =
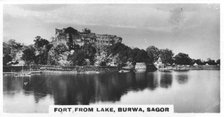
(111, 54)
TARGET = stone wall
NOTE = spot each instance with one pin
(71, 35)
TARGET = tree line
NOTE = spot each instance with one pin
(43, 52)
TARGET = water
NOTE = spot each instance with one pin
(192, 91)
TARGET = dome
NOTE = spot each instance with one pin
(71, 31)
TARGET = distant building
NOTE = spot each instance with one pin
(67, 35)
(195, 64)
(106, 40)
(159, 64)
(71, 35)
(140, 67)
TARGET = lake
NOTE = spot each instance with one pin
(191, 91)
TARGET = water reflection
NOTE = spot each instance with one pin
(85, 89)
(182, 78)
(152, 80)
(166, 80)
(109, 87)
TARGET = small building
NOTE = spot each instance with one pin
(140, 67)
(195, 64)
(158, 64)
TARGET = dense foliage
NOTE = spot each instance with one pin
(83, 55)
(40, 42)
(29, 55)
(6, 58)
(43, 52)
(166, 56)
(153, 53)
(183, 59)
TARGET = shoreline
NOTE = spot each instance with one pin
(92, 69)
(88, 72)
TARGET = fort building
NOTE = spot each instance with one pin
(71, 35)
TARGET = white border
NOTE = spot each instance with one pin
(221, 114)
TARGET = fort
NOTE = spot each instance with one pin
(73, 36)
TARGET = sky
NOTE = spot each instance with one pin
(189, 28)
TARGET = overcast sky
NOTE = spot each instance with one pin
(190, 28)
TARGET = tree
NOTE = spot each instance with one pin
(29, 55)
(90, 52)
(48, 47)
(153, 53)
(40, 42)
(61, 48)
(124, 52)
(166, 56)
(78, 58)
(73, 46)
(101, 58)
(42, 58)
(12, 47)
(6, 49)
(218, 62)
(211, 62)
(86, 30)
(42, 47)
(140, 55)
(6, 59)
(52, 57)
(199, 62)
(182, 59)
